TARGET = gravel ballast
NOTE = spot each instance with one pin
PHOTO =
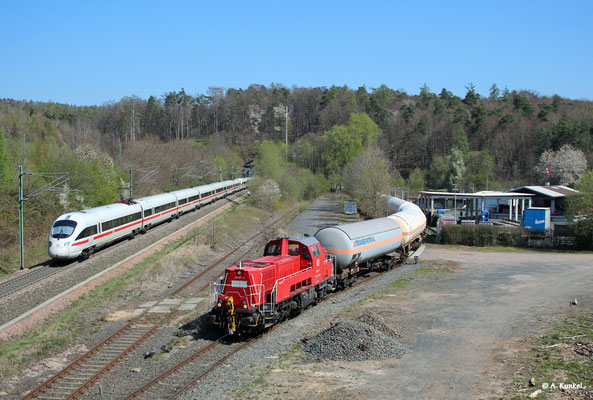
(352, 340)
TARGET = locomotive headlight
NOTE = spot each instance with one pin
(239, 272)
(219, 304)
(244, 304)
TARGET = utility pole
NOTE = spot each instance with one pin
(286, 132)
(150, 172)
(21, 199)
(221, 173)
(233, 171)
(59, 178)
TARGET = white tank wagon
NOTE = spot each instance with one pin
(410, 218)
(375, 242)
(80, 233)
(359, 242)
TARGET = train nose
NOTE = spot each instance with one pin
(56, 249)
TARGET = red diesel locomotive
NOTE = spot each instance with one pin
(294, 273)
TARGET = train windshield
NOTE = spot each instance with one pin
(63, 229)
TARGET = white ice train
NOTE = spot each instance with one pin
(78, 234)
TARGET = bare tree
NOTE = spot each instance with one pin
(367, 180)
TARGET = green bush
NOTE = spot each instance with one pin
(483, 235)
(584, 233)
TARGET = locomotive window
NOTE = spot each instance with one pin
(293, 249)
(88, 231)
(305, 283)
(315, 249)
(298, 286)
(62, 229)
(292, 288)
(309, 282)
(272, 249)
(306, 254)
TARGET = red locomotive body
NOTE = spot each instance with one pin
(293, 273)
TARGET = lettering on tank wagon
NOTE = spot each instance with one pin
(361, 242)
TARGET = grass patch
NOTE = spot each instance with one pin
(563, 356)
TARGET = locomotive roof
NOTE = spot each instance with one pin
(306, 240)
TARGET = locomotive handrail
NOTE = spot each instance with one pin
(241, 291)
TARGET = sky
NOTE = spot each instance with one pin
(89, 53)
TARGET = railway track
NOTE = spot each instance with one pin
(79, 375)
(183, 375)
(21, 281)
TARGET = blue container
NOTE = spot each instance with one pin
(536, 219)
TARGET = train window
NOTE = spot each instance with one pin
(292, 288)
(315, 249)
(305, 283)
(309, 282)
(147, 213)
(272, 249)
(306, 254)
(88, 231)
(293, 249)
(63, 229)
(114, 223)
(193, 198)
(298, 286)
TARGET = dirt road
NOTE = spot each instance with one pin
(463, 324)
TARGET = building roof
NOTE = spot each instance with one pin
(548, 191)
(477, 195)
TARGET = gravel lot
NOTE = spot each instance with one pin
(465, 317)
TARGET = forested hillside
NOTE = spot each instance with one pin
(417, 131)
(433, 140)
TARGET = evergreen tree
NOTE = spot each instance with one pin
(494, 92)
